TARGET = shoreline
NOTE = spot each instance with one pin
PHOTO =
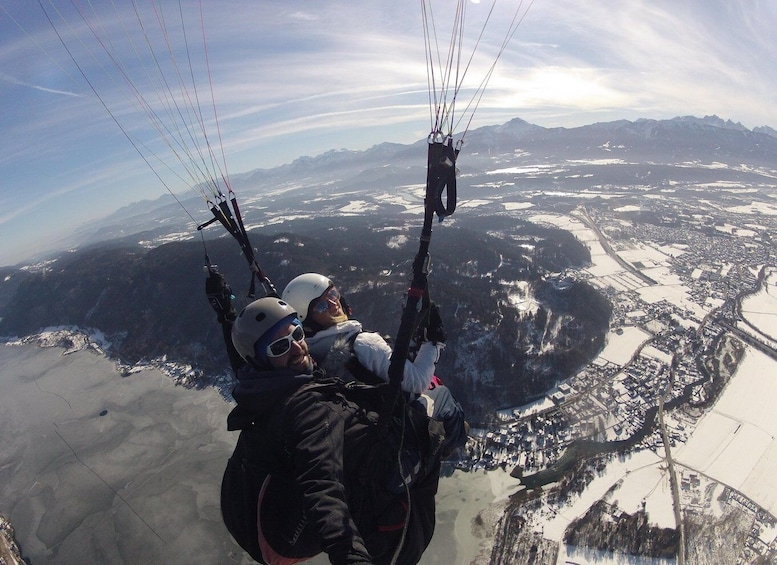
(121, 457)
(100, 468)
(73, 339)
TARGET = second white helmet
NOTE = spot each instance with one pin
(303, 290)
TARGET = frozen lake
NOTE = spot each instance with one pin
(96, 468)
(99, 468)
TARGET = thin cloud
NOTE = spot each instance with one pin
(8, 78)
(291, 78)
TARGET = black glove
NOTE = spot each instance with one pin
(219, 295)
(435, 330)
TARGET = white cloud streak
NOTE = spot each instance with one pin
(12, 80)
(290, 77)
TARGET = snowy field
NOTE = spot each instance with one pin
(621, 346)
(735, 442)
(553, 528)
(85, 486)
(651, 261)
(634, 482)
(760, 310)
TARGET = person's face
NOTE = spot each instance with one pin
(291, 339)
(326, 310)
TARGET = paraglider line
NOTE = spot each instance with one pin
(107, 109)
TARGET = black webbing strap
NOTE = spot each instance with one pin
(233, 223)
(440, 176)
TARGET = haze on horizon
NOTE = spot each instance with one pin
(291, 80)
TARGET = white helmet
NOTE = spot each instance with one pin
(255, 323)
(303, 290)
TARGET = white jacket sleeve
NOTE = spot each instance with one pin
(374, 354)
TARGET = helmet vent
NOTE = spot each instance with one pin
(260, 316)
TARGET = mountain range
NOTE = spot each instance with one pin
(513, 162)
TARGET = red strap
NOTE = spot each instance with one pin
(415, 292)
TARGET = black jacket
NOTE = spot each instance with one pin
(317, 439)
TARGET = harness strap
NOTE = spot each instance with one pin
(233, 223)
(440, 177)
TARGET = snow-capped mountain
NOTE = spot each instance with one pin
(501, 163)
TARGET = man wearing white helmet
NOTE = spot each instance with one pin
(269, 335)
(309, 474)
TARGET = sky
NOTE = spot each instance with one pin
(292, 78)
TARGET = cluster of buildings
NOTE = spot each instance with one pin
(608, 401)
(670, 360)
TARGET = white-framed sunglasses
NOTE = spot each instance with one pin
(282, 345)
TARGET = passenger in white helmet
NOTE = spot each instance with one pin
(332, 335)
(341, 347)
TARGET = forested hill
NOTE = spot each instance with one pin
(151, 303)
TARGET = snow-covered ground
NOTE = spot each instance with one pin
(732, 444)
(759, 310)
(735, 442)
(622, 345)
(617, 473)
